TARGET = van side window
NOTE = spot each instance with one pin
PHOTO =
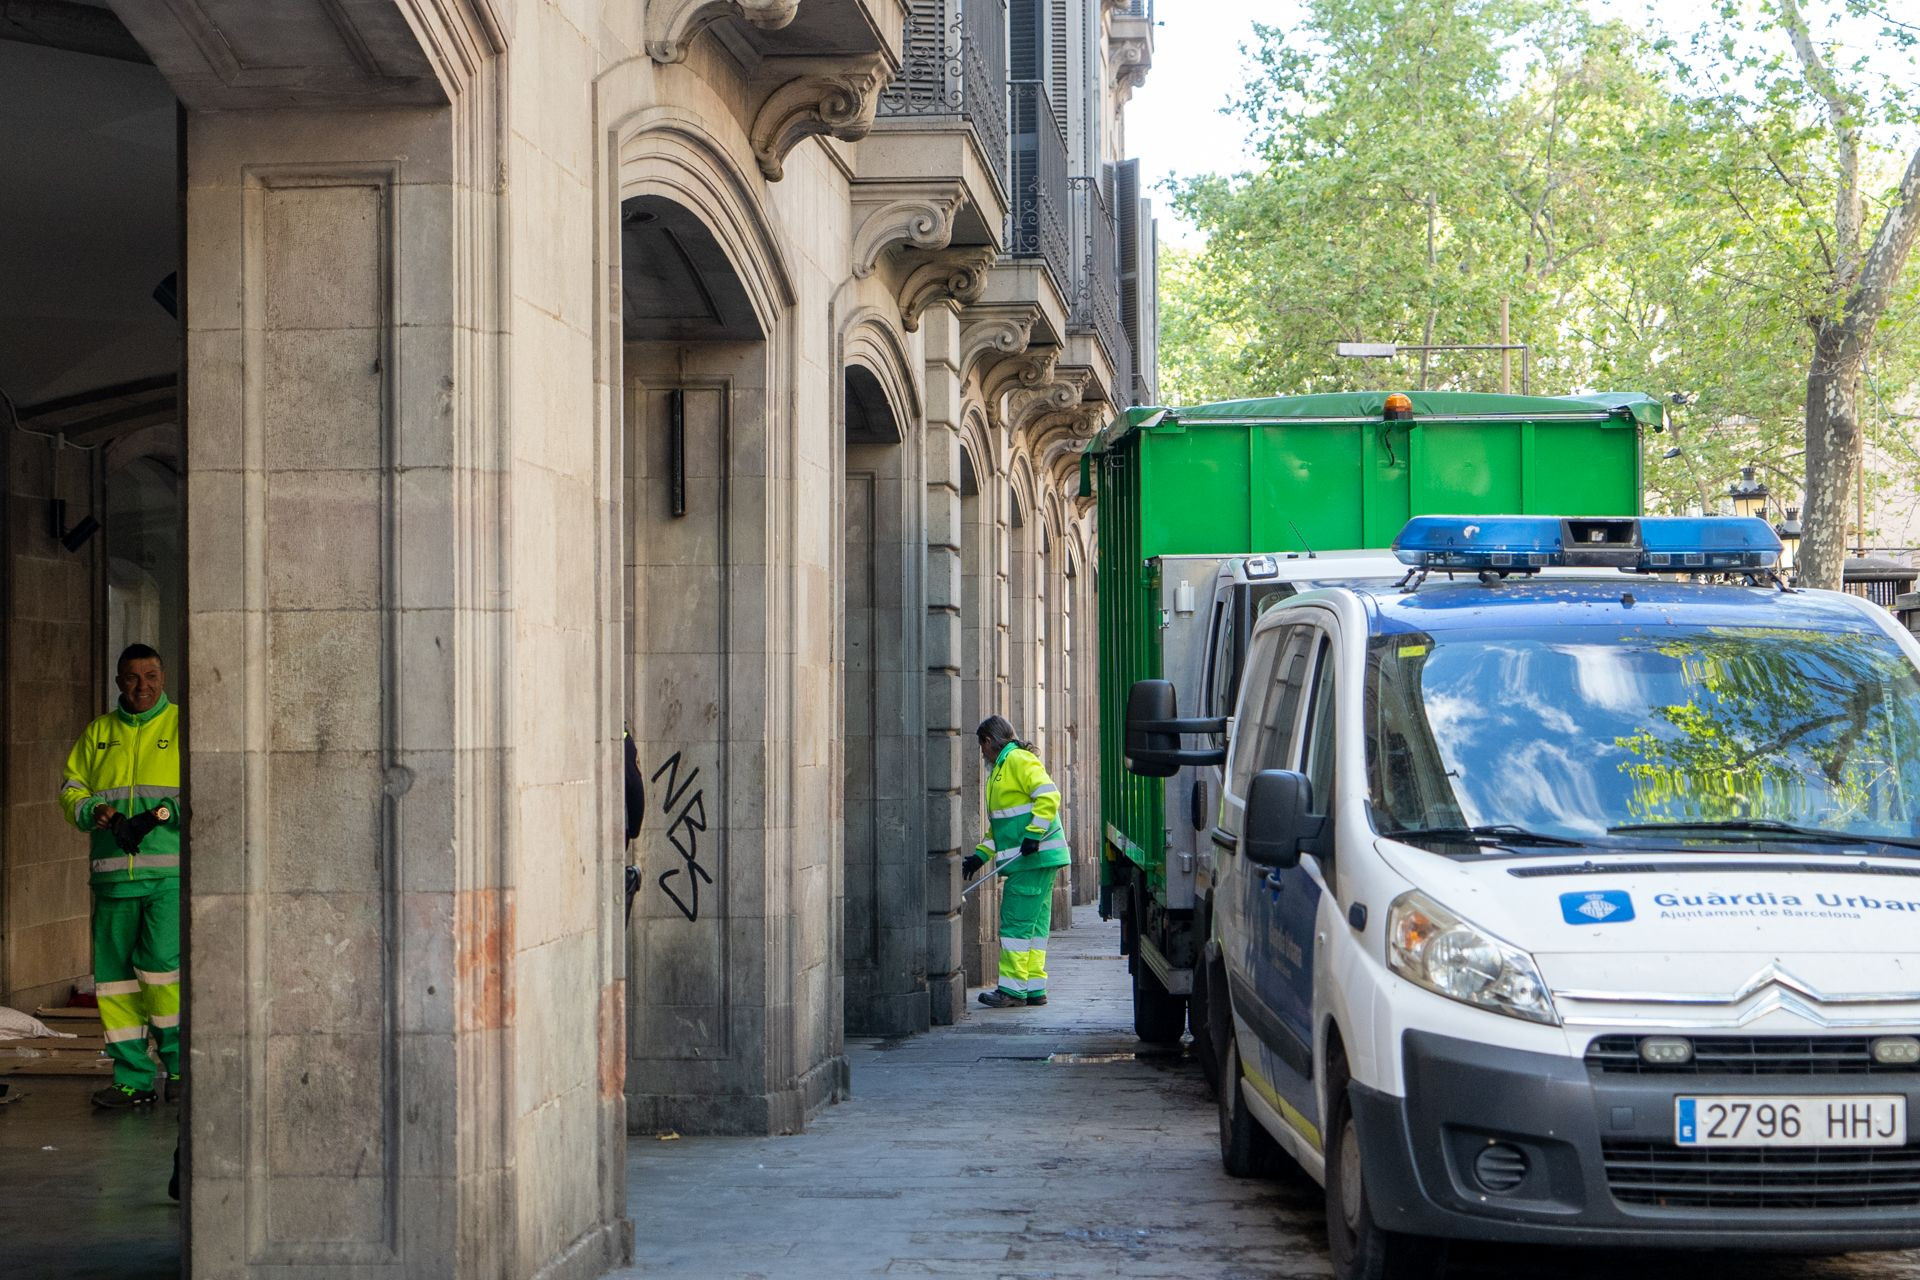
(1318, 762)
(1222, 658)
(1264, 743)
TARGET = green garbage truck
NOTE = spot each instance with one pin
(1209, 514)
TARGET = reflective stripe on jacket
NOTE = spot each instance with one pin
(132, 763)
(1022, 804)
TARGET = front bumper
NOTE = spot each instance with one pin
(1593, 1143)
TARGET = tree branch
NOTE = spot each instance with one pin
(1886, 258)
(1846, 134)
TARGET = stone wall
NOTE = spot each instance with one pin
(51, 685)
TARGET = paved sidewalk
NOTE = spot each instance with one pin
(1039, 1144)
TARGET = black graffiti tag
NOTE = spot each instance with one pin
(690, 821)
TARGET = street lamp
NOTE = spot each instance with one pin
(1749, 495)
(1789, 531)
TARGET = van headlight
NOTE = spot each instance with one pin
(1429, 945)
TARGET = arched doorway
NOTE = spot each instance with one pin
(883, 761)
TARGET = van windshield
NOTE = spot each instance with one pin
(1585, 732)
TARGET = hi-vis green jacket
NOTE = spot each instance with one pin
(1022, 803)
(131, 762)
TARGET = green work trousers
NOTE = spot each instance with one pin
(1026, 918)
(136, 976)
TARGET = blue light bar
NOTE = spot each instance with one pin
(1479, 542)
(1697, 544)
(1651, 544)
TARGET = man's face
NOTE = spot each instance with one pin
(141, 682)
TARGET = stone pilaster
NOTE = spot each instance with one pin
(947, 738)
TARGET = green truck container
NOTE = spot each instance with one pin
(1183, 495)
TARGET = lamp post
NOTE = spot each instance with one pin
(1789, 531)
(1749, 495)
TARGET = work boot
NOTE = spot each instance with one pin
(1033, 1000)
(998, 999)
(119, 1097)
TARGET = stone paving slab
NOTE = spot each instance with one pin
(1040, 1144)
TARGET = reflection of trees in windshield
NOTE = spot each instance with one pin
(1780, 725)
(1575, 729)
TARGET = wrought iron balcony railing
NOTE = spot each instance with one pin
(954, 66)
(1037, 216)
(1096, 296)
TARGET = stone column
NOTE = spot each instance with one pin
(403, 1019)
(948, 735)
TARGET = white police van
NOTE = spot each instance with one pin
(1574, 907)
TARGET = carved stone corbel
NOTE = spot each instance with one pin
(1063, 433)
(1132, 57)
(1027, 407)
(840, 101)
(952, 276)
(916, 214)
(1031, 368)
(671, 25)
(991, 335)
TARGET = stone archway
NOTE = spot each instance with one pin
(883, 617)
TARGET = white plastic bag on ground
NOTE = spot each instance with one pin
(15, 1025)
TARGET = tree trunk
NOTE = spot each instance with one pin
(1834, 444)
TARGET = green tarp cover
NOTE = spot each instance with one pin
(1643, 409)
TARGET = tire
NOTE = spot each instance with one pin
(1359, 1249)
(1159, 1016)
(1247, 1150)
(1209, 1019)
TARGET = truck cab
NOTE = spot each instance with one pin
(1210, 605)
(1571, 905)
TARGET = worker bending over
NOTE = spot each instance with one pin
(1026, 844)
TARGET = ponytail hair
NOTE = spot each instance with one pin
(997, 732)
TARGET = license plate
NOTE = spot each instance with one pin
(1857, 1120)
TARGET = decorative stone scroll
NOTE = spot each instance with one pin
(995, 333)
(955, 276)
(918, 215)
(840, 101)
(672, 24)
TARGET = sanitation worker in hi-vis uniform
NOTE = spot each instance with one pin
(1026, 844)
(123, 787)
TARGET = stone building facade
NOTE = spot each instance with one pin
(459, 383)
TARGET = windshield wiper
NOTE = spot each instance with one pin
(1757, 829)
(1489, 833)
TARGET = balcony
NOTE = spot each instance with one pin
(1096, 294)
(954, 68)
(933, 172)
(1037, 219)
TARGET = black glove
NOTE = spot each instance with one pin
(970, 866)
(129, 832)
(1030, 845)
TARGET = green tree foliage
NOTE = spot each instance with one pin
(1652, 211)
(1785, 726)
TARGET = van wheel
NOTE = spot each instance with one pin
(1159, 1016)
(1360, 1249)
(1199, 1016)
(1210, 1018)
(1247, 1150)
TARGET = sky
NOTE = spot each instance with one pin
(1174, 124)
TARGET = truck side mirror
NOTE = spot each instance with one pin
(1154, 727)
(1279, 826)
